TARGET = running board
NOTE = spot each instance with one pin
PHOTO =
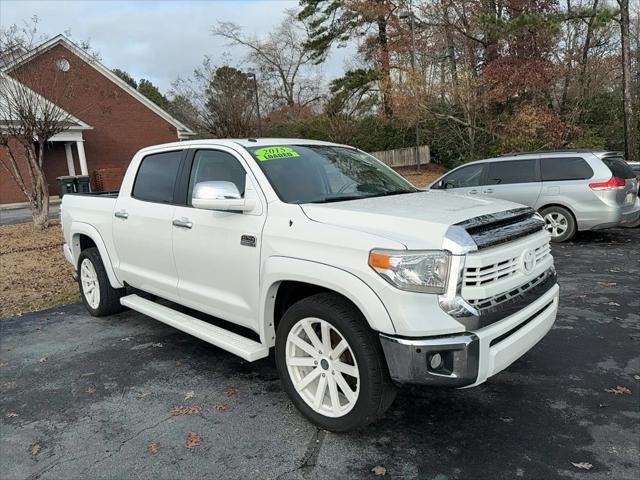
(229, 341)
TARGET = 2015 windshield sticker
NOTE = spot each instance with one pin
(273, 153)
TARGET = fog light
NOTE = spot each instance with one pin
(435, 361)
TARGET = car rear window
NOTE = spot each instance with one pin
(569, 168)
(157, 176)
(619, 168)
(516, 171)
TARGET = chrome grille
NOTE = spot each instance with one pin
(480, 276)
(506, 296)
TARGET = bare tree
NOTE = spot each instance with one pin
(282, 59)
(630, 140)
(29, 120)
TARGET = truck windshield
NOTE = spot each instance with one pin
(321, 174)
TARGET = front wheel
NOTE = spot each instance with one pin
(331, 363)
(98, 296)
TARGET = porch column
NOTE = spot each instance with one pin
(70, 166)
(82, 157)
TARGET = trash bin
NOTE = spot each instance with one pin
(83, 185)
(66, 185)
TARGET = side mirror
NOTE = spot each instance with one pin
(223, 196)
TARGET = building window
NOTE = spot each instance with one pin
(63, 64)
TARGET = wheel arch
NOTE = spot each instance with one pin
(561, 205)
(85, 236)
(287, 280)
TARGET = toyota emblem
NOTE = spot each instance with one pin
(528, 261)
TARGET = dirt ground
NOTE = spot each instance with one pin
(33, 272)
(428, 173)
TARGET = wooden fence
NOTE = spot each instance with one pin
(403, 157)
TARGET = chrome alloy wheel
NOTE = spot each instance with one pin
(90, 284)
(322, 367)
(556, 223)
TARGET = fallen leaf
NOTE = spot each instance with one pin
(153, 448)
(126, 339)
(613, 304)
(186, 410)
(618, 390)
(608, 284)
(35, 449)
(12, 415)
(193, 440)
(379, 470)
(190, 394)
(157, 345)
(231, 391)
(3, 364)
(582, 465)
(178, 364)
(43, 359)
(221, 407)
(146, 393)
(90, 390)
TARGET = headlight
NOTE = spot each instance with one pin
(423, 271)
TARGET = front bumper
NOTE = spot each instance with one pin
(470, 358)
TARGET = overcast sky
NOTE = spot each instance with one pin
(157, 40)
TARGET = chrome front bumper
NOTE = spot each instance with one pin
(471, 357)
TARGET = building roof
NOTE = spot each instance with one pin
(11, 87)
(183, 131)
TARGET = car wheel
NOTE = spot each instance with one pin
(98, 296)
(331, 363)
(559, 222)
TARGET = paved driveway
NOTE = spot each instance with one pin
(87, 397)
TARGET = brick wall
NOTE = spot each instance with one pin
(121, 124)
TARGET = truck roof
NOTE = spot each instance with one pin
(244, 142)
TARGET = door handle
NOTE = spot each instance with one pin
(121, 214)
(473, 192)
(182, 223)
(488, 190)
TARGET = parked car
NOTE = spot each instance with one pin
(572, 189)
(358, 280)
(635, 166)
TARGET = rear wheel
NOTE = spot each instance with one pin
(559, 222)
(98, 296)
(331, 363)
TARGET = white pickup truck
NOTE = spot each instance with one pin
(358, 279)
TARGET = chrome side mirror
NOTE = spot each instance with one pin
(219, 195)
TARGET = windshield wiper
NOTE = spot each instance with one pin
(341, 198)
(396, 192)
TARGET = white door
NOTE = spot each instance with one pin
(142, 230)
(218, 253)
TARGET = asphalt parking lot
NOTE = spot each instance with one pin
(86, 397)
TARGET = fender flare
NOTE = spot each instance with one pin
(279, 269)
(79, 228)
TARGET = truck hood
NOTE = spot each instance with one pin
(417, 220)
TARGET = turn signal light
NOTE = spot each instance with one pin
(613, 182)
(379, 260)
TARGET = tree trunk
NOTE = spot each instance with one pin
(630, 140)
(385, 67)
(40, 202)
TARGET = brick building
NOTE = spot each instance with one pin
(113, 119)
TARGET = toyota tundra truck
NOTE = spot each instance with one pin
(359, 281)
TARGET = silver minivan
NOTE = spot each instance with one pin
(572, 189)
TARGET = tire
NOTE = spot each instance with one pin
(559, 222)
(91, 273)
(371, 392)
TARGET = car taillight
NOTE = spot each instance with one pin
(613, 182)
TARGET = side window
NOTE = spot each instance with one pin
(215, 165)
(512, 171)
(156, 177)
(469, 176)
(570, 168)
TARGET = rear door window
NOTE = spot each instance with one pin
(619, 168)
(156, 177)
(516, 171)
(569, 168)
